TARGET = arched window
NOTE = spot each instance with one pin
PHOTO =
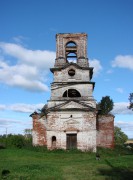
(65, 94)
(53, 142)
(71, 93)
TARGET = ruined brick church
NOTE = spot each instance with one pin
(71, 119)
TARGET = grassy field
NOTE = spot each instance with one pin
(24, 164)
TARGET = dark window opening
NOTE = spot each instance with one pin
(71, 72)
(71, 93)
(53, 142)
(65, 94)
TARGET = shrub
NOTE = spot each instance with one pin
(17, 141)
(2, 146)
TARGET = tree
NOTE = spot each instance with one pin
(131, 101)
(106, 105)
(13, 140)
(28, 133)
(119, 136)
(17, 141)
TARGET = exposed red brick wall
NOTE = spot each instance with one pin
(105, 131)
(40, 130)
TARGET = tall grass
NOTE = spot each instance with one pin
(39, 164)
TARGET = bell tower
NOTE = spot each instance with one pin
(72, 74)
(71, 47)
(70, 118)
(72, 107)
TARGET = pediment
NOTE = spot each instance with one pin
(71, 105)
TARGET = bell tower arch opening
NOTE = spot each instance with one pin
(71, 51)
(71, 48)
(71, 44)
(71, 93)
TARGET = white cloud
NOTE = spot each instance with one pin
(41, 59)
(30, 70)
(126, 126)
(20, 122)
(23, 76)
(2, 107)
(25, 108)
(14, 126)
(121, 108)
(120, 90)
(97, 66)
(123, 62)
(21, 107)
(27, 68)
(19, 39)
(8, 122)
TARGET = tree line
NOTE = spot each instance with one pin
(15, 141)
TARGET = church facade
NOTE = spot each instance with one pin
(70, 119)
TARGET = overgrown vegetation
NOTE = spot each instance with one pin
(39, 163)
(15, 141)
(131, 101)
(106, 105)
(120, 137)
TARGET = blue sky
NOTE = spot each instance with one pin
(28, 46)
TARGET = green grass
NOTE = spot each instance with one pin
(38, 164)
